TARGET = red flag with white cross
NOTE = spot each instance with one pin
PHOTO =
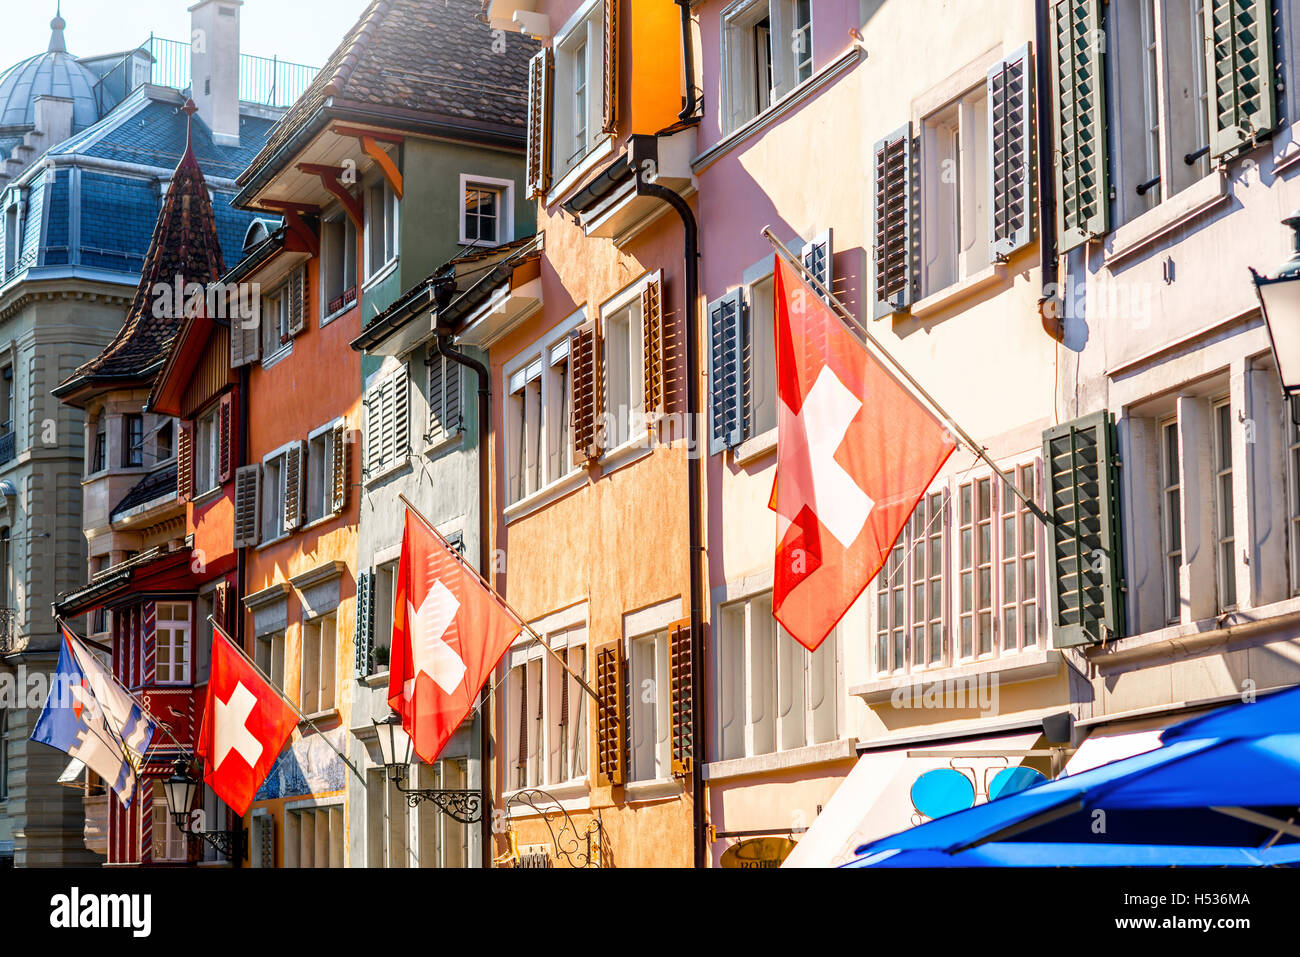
(245, 725)
(449, 632)
(855, 453)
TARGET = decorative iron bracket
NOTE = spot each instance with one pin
(578, 848)
(232, 844)
(461, 804)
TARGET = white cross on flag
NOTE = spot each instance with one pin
(245, 724)
(449, 632)
(855, 453)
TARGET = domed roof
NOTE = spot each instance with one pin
(52, 73)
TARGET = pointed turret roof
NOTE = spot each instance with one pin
(184, 245)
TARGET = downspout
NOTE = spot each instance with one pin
(694, 493)
(240, 562)
(1051, 302)
(441, 346)
(691, 109)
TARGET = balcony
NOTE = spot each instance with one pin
(12, 640)
(8, 446)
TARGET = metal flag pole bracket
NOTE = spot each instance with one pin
(860, 332)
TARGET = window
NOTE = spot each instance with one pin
(649, 720)
(547, 712)
(316, 689)
(273, 492)
(526, 451)
(910, 620)
(385, 594)
(4, 754)
(165, 441)
(539, 408)
(6, 570)
(275, 323)
(954, 191)
(381, 227)
(442, 841)
(132, 440)
(313, 837)
(579, 64)
(216, 818)
(1293, 457)
(270, 656)
(444, 399)
(206, 452)
(168, 841)
(7, 400)
(1171, 516)
(1221, 448)
(204, 606)
(99, 617)
(387, 822)
(172, 643)
(487, 211)
(99, 448)
(388, 423)
(623, 354)
(320, 473)
(767, 53)
(760, 354)
(13, 239)
(774, 694)
(338, 264)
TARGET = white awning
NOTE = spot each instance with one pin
(1104, 749)
(875, 800)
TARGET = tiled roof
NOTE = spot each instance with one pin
(435, 58)
(153, 486)
(184, 244)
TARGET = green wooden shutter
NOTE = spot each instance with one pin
(1010, 163)
(893, 217)
(726, 372)
(1082, 171)
(1239, 72)
(365, 636)
(1086, 587)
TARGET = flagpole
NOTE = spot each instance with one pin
(861, 331)
(217, 629)
(501, 598)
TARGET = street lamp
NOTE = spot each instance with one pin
(1279, 301)
(464, 805)
(180, 790)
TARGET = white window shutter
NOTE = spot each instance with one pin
(298, 295)
(246, 340)
(374, 428)
(294, 460)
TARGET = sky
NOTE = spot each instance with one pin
(301, 31)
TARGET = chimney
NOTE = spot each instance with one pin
(214, 66)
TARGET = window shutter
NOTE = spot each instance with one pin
(245, 341)
(365, 639)
(226, 438)
(293, 476)
(444, 398)
(683, 713)
(401, 416)
(221, 607)
(266, 841)
(374, 404)
(185, 463)
(726, 372)
(610, 743)
(609, 121)
(540, 71)
(1082, 172)
(1086, 599)
(586, 392)
(298, 300)
(340, 454)
(652, 334)
(893, 214)
(248, 488)
(1239, 72)
(1010, 165)
(817, 256)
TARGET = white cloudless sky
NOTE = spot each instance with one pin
(302, 31)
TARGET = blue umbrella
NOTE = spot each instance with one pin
(1222, 790)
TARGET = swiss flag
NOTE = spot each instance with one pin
(449, 632)
(855, 453)
(245, 724)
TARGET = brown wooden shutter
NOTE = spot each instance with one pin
(540, 71)
(893, 215)
(248, 488)
(185, 463)
(293, 462)
(585, 384)
(341, 452)
(681, 702)
(610, 736)
(221, 607)
(298, 300)
(226, 438)
(652, 331)
(609, 120)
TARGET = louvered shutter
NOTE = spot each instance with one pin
(893, 215)
(609, 116)
(444, 398)
(298, 300)
(221, 610)
(653, 351)
(185, 463)
(339, 455)
(266, 841)
(1010, 163)
(1082, 161)
(817, 256)
(585, 386)
(374, 404)
(226, 438)
(401, 416)
(726, 372)
(365, 637)
(680, 671)
(1086, 596)
(293, 486)
(245, 338)
(610, 736)
(540, 71)
(1239, 72)
(248, 488)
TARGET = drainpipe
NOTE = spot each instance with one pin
(441, 347)
(1051, 303)
(694, 486)
(691, 110)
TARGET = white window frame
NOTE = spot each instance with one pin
(166, 835)
(275, 323)
(584, 29)
(505, 190)
(273, 494)
(743, 63)
(384, 599)
(207, 451)
(346, 226)
(761, 403)
(320, 661)
(649, 706)
(528, 658)
(626, 300)
(1293, 509)
(391, 206)
(322, 464)
(1225, 561)
(185, 628)
(269, 649)
(1171, 520)
(955, 215)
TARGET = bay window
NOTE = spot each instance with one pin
(172, 639)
